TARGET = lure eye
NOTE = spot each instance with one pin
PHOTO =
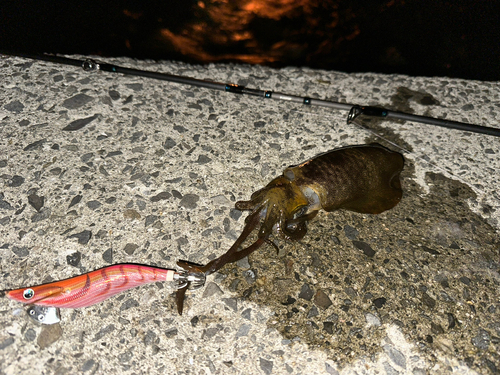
(28, 293)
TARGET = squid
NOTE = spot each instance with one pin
(96, 286)
(362, 178)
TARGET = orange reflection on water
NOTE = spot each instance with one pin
(239, 26)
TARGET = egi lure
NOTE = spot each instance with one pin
(96, 286)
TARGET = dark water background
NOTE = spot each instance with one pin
(459, 38)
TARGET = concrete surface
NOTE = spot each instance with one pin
(153, 176)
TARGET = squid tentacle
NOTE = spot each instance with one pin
(362, 179)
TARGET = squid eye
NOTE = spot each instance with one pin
(28, 293)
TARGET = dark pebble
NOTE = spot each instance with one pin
(197, 107)
(289, 301)
(227, 224)
(443, 280)
(125, 357)
(169, 143)
(259, 124)
(266, 366)
(247, 314)
(180, 129)
(313, 312)
(131, 214)
(7, 342)
(177, 194)
(15, 181)
(134, 86)
(80, 123)
(212, 289)
(171, 332)
(88, 365)
(49, 335)
(350, 291)
(83, 237)
(42, 215)
(465, 280)
(430, 251)
(35, 145)
(379, 302)
(335, 240)
(129, 304)
(231, 303)
(322, 300)
(114, 95)
(451, 320)
(328, 327)
(86, 157)
(76, 199)
(93, 205)
(203, 159)
(210, 332)
(234, 214)
(15, 106)
(21, 252)
(194, 321)
(491, 365)
(3, 204)
(234, 285)
(243, 330)
(149, 338)
(436, 329)
(110, 200)
(481, 340)
(130, 248)
(103, 332)
(74, 259)
(366, 248)
(350, 232)
(114, 153)
(20, 211)
(107, 256)
(306, 292)
(161, 196)
(395, 355)
(150, 219)
(30, 335)
(76, 101)
(189, 201)
(428, 300)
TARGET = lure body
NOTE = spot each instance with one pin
(91, 288)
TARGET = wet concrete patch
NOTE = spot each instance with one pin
(434, 272)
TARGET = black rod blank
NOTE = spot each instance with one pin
(354, 110)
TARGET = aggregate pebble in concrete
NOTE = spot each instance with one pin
(102, 168)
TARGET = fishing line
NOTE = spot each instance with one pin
(414, 155)
(355, 110)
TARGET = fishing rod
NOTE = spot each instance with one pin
(354, 110)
